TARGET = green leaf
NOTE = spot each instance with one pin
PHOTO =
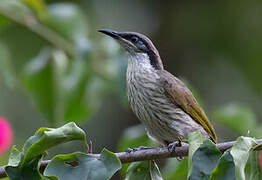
(38, 78)
(146, 170)
(28, 171)
(195, 140)
(68, 20)
(81, 166)
(253, 169)
(6, 68)
(25, 164)
(37, 5)
(63, 90)
(240, 153)
(14, 157)
(204, 159)
(75, 88)
(46, 138)
(175, 169)
(43, 78)
(225, 169)
(237, 117)
(4, 22)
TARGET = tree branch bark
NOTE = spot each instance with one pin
(148, 154)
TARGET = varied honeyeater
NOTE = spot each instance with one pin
(162, 102)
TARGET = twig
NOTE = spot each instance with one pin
(148, 154)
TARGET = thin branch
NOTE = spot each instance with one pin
(32, 24)
(148, 154)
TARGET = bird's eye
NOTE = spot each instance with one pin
(134, 39)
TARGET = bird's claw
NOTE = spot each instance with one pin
(172, 147)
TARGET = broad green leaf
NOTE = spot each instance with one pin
(237, 117)
(195, 140)
(45, 138)
(253, 168)
(204, 159)
(146, 170)
(6, 68)
(225, 169)
(240, 153)
(81, 166)
(175, 169)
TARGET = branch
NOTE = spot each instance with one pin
(148, 154)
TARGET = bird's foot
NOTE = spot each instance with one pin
(140, 148)
(172, 146)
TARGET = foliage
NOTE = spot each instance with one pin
(205, 161)
(25, 164)
(68, 74)
(61, 78)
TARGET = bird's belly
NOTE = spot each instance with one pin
(164, 121)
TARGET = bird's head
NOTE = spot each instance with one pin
(137, 45)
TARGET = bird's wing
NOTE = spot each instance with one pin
(179, 94)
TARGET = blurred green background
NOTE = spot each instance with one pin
(55, 67)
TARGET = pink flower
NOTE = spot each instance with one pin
(6, 135)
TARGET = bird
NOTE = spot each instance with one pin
(162, 102)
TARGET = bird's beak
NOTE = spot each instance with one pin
(110, 33)
(117, 36)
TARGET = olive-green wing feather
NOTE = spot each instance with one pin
(179, 94)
